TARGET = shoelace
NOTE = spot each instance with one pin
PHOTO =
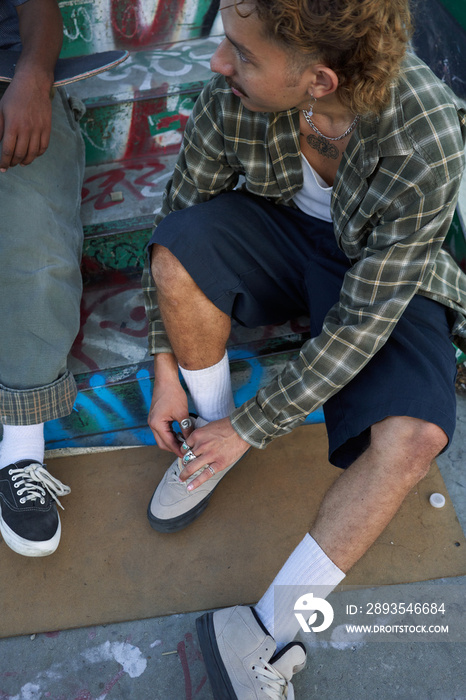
(275, 685)
(175, 472)
(35, 482)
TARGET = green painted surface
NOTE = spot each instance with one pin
(201, 11)
(457, 9)
(80, 20)
(161, 122)
(124, 251)
(456, 242)
(121, 130)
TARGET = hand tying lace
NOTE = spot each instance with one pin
(177, 467)
(175, 470)
(34, 481)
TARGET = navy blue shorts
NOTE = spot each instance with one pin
(263, 263)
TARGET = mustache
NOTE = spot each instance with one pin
(234, 85)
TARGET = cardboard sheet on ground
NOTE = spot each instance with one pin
(111, 566)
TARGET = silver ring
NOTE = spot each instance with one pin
(185, 447)
(211, 469)
(186, 423)
(188, 457)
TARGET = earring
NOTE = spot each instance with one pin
(310, 111)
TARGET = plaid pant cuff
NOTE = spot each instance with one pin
(32, 406)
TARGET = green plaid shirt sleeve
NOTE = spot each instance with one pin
(222, 142)
(392, 204)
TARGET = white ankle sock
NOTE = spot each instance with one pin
(307, 566)
(22, 442)
(210, 389)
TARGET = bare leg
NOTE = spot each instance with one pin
(364, 499)
(197, 329)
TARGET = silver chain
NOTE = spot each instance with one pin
(330, 138)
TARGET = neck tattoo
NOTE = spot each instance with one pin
(323, 147)
(323, 144)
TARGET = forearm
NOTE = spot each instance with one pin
(41, 31)
(169, 402)
(165, 369)
(25, 108)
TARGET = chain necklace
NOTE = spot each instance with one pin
(330, 138)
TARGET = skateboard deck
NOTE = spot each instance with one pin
(67, 70)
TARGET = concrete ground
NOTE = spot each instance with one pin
(159, 659)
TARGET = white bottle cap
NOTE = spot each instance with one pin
(437, 500)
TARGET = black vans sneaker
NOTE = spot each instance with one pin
(29, 521)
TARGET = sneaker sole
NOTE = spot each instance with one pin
(222, 688)
(29, 548)
(180, 521)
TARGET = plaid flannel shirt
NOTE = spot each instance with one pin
(392, 204)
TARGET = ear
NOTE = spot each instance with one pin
(325, 81)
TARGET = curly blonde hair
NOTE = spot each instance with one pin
(363, 41)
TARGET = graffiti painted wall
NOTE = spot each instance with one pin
(142, 105)
(100, 25)
(132, 130)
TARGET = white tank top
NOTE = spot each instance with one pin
(315, 195)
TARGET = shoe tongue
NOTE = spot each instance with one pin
(290, 661)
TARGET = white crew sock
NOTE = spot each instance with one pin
(210, 389)
(22, 442)
(308, 566)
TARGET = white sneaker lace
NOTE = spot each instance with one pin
(275, 685)
(175, 471)
(35, 481)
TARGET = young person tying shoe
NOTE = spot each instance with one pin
(41, 170)
(352, 153)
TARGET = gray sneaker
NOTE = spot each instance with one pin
(172, 507)
(240, 658)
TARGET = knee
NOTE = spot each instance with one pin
(168, 273)
(413, 442)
